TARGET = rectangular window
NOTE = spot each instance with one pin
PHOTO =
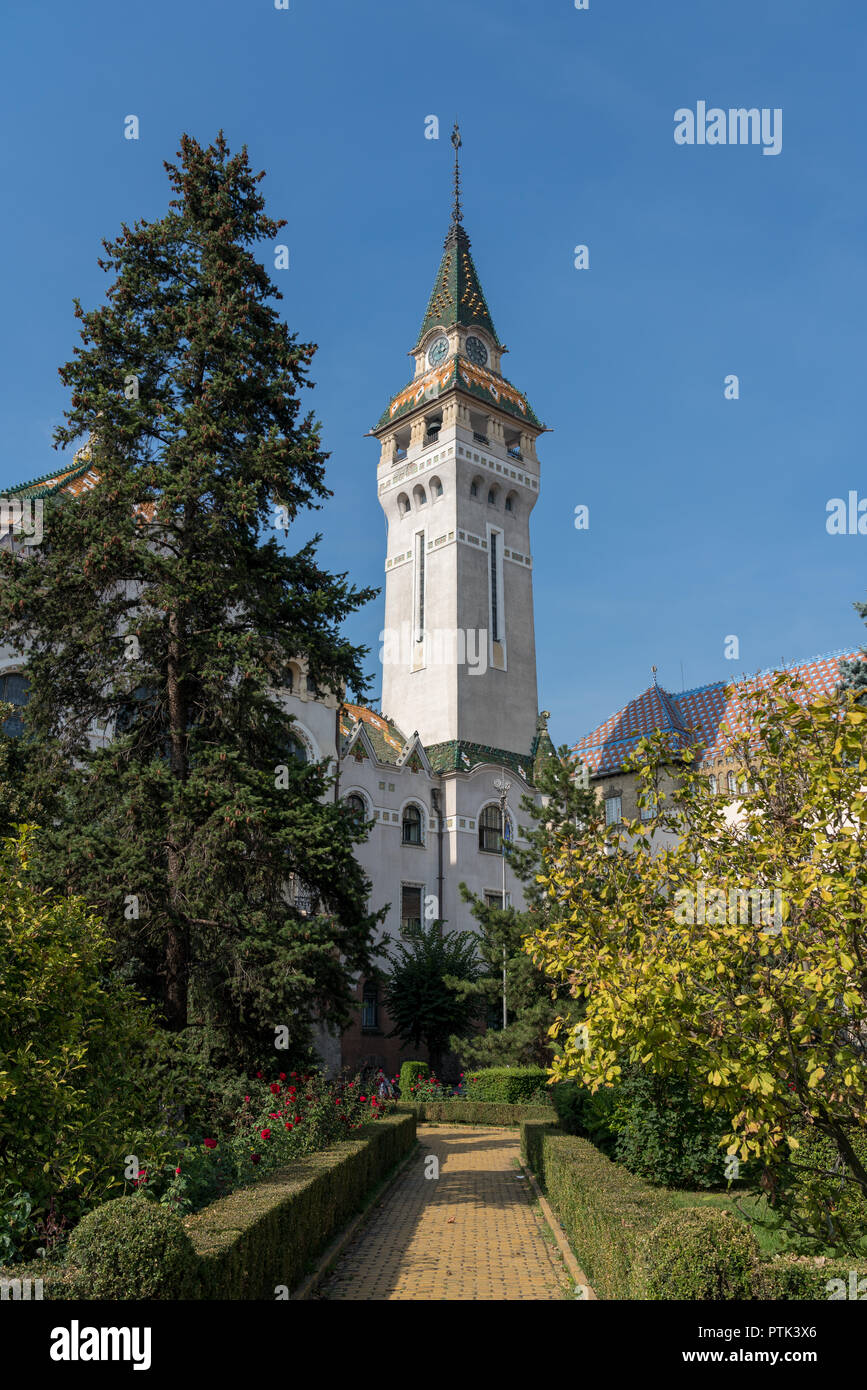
(410, 906)
(648, 812)
(419, 586)
(495, 598)
(613, 806)
(495, 900)
(370, 1007)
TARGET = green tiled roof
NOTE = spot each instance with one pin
(457, 296)
(458, 755)
(385, 737)
(543, 748)
(481, 382)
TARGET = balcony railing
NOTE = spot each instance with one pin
(480, 438)
(514, 452)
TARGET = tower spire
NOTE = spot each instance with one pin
(457, 213)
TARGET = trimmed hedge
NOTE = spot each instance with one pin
(699, 1254)
(605, 1211)
(635, 1241)
(506, 1085)
(470, 1112)
(410, 1073)
(132, 1247)
(245, 1244)
(802, 1278)
(260, 1237)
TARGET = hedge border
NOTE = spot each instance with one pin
(608, 1214)
(475, 1112)
(258, 1238)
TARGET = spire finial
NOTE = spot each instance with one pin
(457, 214)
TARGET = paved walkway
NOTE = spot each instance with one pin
(471, 1233)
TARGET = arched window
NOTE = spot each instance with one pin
(511, 502)
(355, 807)
(492, 496)
(419, 496)
(412, 826)
(731, 783)
(743, 786)
(403, 503)
(14, 690)
(295, 748)
(490, 830)
(713, 783)
(475, 487)
(311, 686)
(436, 488)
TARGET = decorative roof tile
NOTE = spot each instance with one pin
(704, 717)
(81, 477)
(386, 739)
(481, 382)
(457, 295)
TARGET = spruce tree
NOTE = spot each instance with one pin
(164, 608)
(531, 1002)
(853, 673)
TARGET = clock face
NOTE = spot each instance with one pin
(438, 351)
(476, 351)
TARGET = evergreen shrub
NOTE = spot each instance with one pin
(509, 1085)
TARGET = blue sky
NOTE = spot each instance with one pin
(707, 516)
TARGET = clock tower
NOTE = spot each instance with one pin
(458, 478)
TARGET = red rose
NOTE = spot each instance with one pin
(177, 1170)
(282, 1076)
(275, 1088)
(362, 1097)
(259, 1074)
(266, 1133)
(287, 1124)
(210, 1143)
(254, 1158)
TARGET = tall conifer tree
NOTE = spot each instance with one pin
(164, 608)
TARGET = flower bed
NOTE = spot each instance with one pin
(255, 1243)
(284, 1116)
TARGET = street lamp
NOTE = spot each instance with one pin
(503, 788)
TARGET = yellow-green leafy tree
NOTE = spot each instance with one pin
(72, 1042)
(727, 939)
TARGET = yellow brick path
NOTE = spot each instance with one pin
(469, 1234)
